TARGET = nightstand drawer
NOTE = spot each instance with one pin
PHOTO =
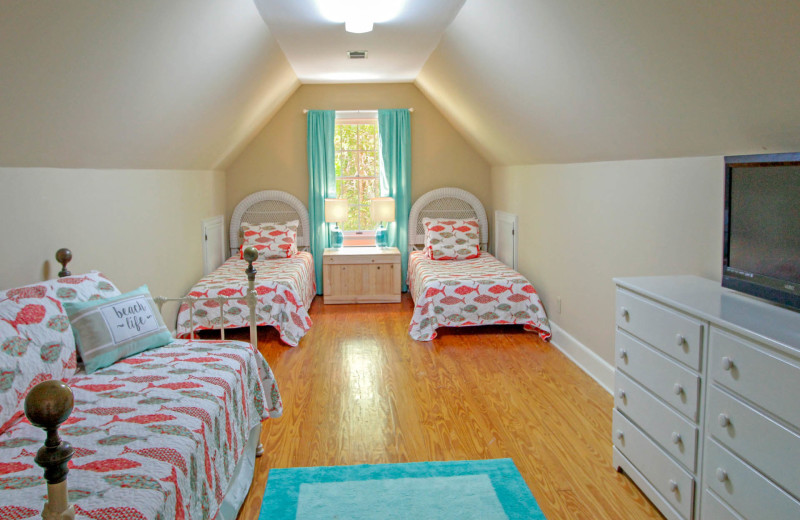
(670, 381)
(746, 490)
(676, 435)
(766, 445)
(671, 481)
(671, 332)
(736, 364)
(344, 259)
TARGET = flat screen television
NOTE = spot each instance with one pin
(761, 250)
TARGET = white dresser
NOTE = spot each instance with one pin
(707, 399)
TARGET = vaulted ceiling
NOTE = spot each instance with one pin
(181, 84)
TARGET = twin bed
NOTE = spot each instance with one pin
(284, 287)
(475, 290)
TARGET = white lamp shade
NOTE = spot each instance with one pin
(383, 209)
(336, 210)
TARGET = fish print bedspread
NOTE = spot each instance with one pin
(285, 288)
(156, 435)
(479, 291)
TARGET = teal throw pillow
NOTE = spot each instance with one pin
(114, 328)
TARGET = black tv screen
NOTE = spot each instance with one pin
(761, 251)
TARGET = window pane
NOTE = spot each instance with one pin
(353, 216)
(338, 164)
(367, 134)
(337, 138)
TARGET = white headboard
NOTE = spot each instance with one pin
(269, 206)
(445, 203)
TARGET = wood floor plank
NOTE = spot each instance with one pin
(359, 390)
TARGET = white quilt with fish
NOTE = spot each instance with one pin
(462, 293)
(156, 435)
(285, 289)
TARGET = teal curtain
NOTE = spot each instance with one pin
(394, 127)
(321, 181)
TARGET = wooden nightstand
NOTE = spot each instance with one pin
(361, 275)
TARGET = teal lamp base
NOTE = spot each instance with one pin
(337, 237)
(381, 237)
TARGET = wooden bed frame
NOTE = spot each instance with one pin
(445, 203)
(269, 206)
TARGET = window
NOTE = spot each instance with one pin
(357, 145)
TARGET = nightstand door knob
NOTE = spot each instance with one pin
(623, 312)
(679, 339)
(723, 420)
(673, 486)
(676, 438)
(621, 393)
(620, 435)
(623, 353)
(677, 389)
(722, 475)
(727, 363)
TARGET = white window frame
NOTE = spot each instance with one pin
(364, 237)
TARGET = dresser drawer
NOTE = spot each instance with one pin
(715, 509)
(671, 481)
(670, 381)
(761, 377)
(765, 444)
(675, 334)
(746, 490)
(676, 435)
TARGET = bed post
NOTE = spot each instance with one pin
(251, 255)
(48, 405)
(63, 256)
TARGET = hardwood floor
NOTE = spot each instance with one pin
(359, 390)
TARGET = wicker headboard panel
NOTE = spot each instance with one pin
(445, 203)
(269, 206)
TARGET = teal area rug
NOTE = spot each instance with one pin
(463, 490)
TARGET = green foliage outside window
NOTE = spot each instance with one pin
(357, 171)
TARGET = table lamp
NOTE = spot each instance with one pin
(336, 211)
(382, 210)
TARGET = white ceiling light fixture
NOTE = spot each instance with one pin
(360, 15)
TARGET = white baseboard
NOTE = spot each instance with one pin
(598, 368)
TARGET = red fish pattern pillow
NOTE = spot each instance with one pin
(451, 239)
(36, 341)
(271, 239)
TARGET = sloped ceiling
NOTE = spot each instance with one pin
(177, 84)
(549, 81)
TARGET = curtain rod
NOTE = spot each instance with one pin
(305, 110)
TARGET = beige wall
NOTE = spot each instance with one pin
(136, 226)
(276, 158)
(580, 225)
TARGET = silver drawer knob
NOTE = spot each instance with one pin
(623, 312)
(679, 339)
(620, 434)
(621, 393)
(722, 475)
(623, 353)
(677, 389)
(723, 420)
(673, 486)
(727, 363)
(676, 438)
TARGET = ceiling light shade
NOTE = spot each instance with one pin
(358, 25)
(359, 15)
(382, 209)
(336, 210)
